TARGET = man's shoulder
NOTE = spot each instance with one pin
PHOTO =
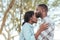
(49, 19)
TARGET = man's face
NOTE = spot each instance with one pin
(39, 12)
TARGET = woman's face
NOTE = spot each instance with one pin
(34, 19)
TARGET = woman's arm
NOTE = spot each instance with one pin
(28, 33)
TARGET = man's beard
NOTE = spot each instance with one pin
(38, 15)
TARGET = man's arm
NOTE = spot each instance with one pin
(42, 28)
(49, 33)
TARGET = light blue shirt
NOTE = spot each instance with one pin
(27, 32)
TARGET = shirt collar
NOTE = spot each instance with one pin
(29, 24)
(45, 18)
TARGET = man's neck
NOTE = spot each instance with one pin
(43, 17)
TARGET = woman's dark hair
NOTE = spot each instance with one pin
(27, 16)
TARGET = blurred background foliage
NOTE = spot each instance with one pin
(12, 11)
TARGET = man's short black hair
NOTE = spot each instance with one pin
(44, 6)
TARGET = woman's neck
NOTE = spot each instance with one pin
(30, 22)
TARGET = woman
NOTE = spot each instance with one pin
(27, 32)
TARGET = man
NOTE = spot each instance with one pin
(48, 34)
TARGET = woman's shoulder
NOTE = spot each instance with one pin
(26, 26)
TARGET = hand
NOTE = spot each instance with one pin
(44, 26)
